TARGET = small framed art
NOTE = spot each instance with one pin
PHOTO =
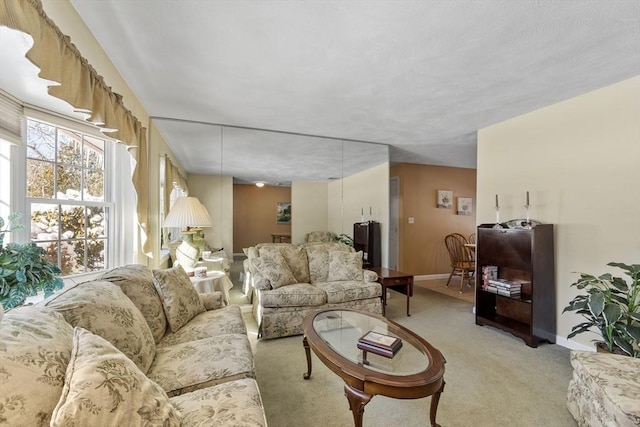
(445, 199)
(465, 205)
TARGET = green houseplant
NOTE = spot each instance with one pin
(23, 269)
(612, 306)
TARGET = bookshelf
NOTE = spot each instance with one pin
(524, 257)
(366, 238)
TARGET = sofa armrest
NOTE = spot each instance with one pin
(260, 282)
(212, 300)
(370, 276)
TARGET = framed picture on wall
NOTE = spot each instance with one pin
(283, 213)
(465, 205)
(445, 199)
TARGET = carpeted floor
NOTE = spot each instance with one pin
(492, 378)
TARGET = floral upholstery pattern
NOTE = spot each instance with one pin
(102, 308)
(273, 266)
(343, 291)
(318, 255)
(279, 311)
(604, 389)
(320, 237)
(103, 387)
(295, 256)
(212, 300)
(286, 321)
(345, 266)
(227, 320)
(35, 347)
(136, 281)
(179, 298)
(298, 295)
(189, 366)
(235, 403)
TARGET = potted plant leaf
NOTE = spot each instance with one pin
(612, 306)
(23, 269)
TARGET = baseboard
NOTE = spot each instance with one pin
(431, 276)
(573, 345)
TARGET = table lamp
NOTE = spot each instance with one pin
(190, 213)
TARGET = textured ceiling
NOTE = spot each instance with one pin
(419, 76)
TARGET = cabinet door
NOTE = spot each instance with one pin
(510, 248)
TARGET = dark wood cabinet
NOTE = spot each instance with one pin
(523, 256)
(366, 238)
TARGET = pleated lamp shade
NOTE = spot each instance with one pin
(188, 212)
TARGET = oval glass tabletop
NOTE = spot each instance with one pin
(342, 329)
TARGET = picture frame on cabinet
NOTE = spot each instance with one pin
(445, 199)
(465, 206)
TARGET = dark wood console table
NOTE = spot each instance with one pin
(396, 280)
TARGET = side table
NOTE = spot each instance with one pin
(395, 280)
(215, 281)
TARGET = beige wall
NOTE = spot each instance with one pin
(421, 248)
(368, 191)
(216, 194)
(580, 161)
(310, 201)
(254, 214)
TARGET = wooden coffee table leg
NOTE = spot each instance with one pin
(435, 398)
(357, 400)
(307, 350)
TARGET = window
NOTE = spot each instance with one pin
(67, 196)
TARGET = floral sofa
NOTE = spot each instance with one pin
(290, 281)
(604, 389)
(136, 347)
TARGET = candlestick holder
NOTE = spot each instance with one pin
(497, 224)
(527, 224)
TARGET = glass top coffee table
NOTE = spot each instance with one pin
(415, 370)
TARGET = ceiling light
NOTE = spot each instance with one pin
(260, 184)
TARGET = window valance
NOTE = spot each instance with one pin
(82, 87)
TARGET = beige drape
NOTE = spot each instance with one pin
(81, 86)
(172, 174)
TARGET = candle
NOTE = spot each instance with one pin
(497, 202)
(527, 198)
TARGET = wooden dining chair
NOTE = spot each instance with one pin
(462, 263)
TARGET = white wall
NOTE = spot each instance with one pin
(580, 161)
(310, 206)
(216, 194)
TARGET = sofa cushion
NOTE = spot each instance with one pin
(345, 266)
(234, 403)
(318, 256)
(189, 366)
(273, 266)
(179, 298)
(297, 295)
(343, 291)
(136, 281)
(104, 388)
(227, 320)
(35, 347)
(102, 308)
(295, 256)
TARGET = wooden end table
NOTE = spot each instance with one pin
(415, 371)
(395, 280)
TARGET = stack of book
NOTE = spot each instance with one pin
(380, 344)
(489, 272)
(504, 287)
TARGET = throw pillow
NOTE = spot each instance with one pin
(273, 266)
(180, 299)
(345, 266)
(104, 388)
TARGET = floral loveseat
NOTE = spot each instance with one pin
(290, 281)
(604, 389)
(134, 348)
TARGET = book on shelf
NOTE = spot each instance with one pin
(489, 272)
(381, 344)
